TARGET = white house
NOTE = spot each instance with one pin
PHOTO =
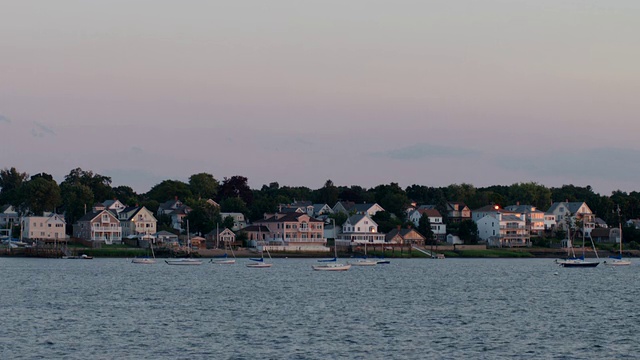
(572, 211)
(239, 221)
(44, 228)
(503, 229)
(360, 229)
(435, 220)
(137, 221)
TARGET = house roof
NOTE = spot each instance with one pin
(430, 212)
(510, 217)
(354, 219)
(522, 208)
(165, 233)
(488, 208)
(256, 228)
(364, 207)
(92, 215)
(403, 232)
(288, 217)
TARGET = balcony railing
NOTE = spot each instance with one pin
(106, 229)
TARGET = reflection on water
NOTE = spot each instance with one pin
(409, 309)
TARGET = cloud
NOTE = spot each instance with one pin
(423, 151)
(40, 130)
(136, 150)
(595, 163)
(4, 119)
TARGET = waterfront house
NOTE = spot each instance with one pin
(292, 232)
(405, 236)
(458, 211)
(46, 229)
(572, 212)
(606, 235)
(99, 227)
(239, 221)
(501, 228)
(343, 207)
(176, 210)
(137, 221)
(534, 218)
(221, 238)
(438, 228)
(114, 206)
(321, 209)
(8, 216)
(360, 229)
(166, 238)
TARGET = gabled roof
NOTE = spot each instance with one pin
(522, 208)
(365, 207)
(509, 217)
(601, 232)
(94, 214)
(402, 232)
(165, 233)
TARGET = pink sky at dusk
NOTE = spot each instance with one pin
(359, 92)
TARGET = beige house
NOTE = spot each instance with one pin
(44, 228)
(137, 221)
(292, 232)
(405, 236)
(99, 226)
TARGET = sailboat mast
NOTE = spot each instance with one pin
(620, 229)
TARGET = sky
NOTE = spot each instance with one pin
(362, 92)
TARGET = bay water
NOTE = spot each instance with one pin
(409, 309)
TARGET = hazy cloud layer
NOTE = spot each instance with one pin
(4, 119)
(422, 151)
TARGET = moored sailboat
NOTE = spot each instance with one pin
(618, 260)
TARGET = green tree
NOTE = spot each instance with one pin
(77, 199)
(468, 232)
(100, 185)
(10, 182)
(203, 217)
(233, 205)
(41, 193)
(204, 186)
(169, 189)
(328, 194)
(236, 186)
(126, 195)
(424, 227)
(386, 222)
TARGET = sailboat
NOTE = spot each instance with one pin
(617, 260)
(259, 262)
(224, 259)
(332, 265)
(581, 261)
(364, 261)
(146, 260)
(185, 261)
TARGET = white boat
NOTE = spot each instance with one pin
(146, 260)
(143, 261)
(185, 261)
(259, 265)
(578, 261)
(259, 262)
(618, 260)
(363, 262)
(225, 260)
(332, 265)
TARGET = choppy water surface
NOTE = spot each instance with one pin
(410, 309)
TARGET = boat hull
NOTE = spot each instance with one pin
(259, 265)
(618, 263)
(224, 262)
(579, 264)
(363, 263)
(183, 262)
(332, 267)
(143, 261)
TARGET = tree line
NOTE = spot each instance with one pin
(81, 189)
